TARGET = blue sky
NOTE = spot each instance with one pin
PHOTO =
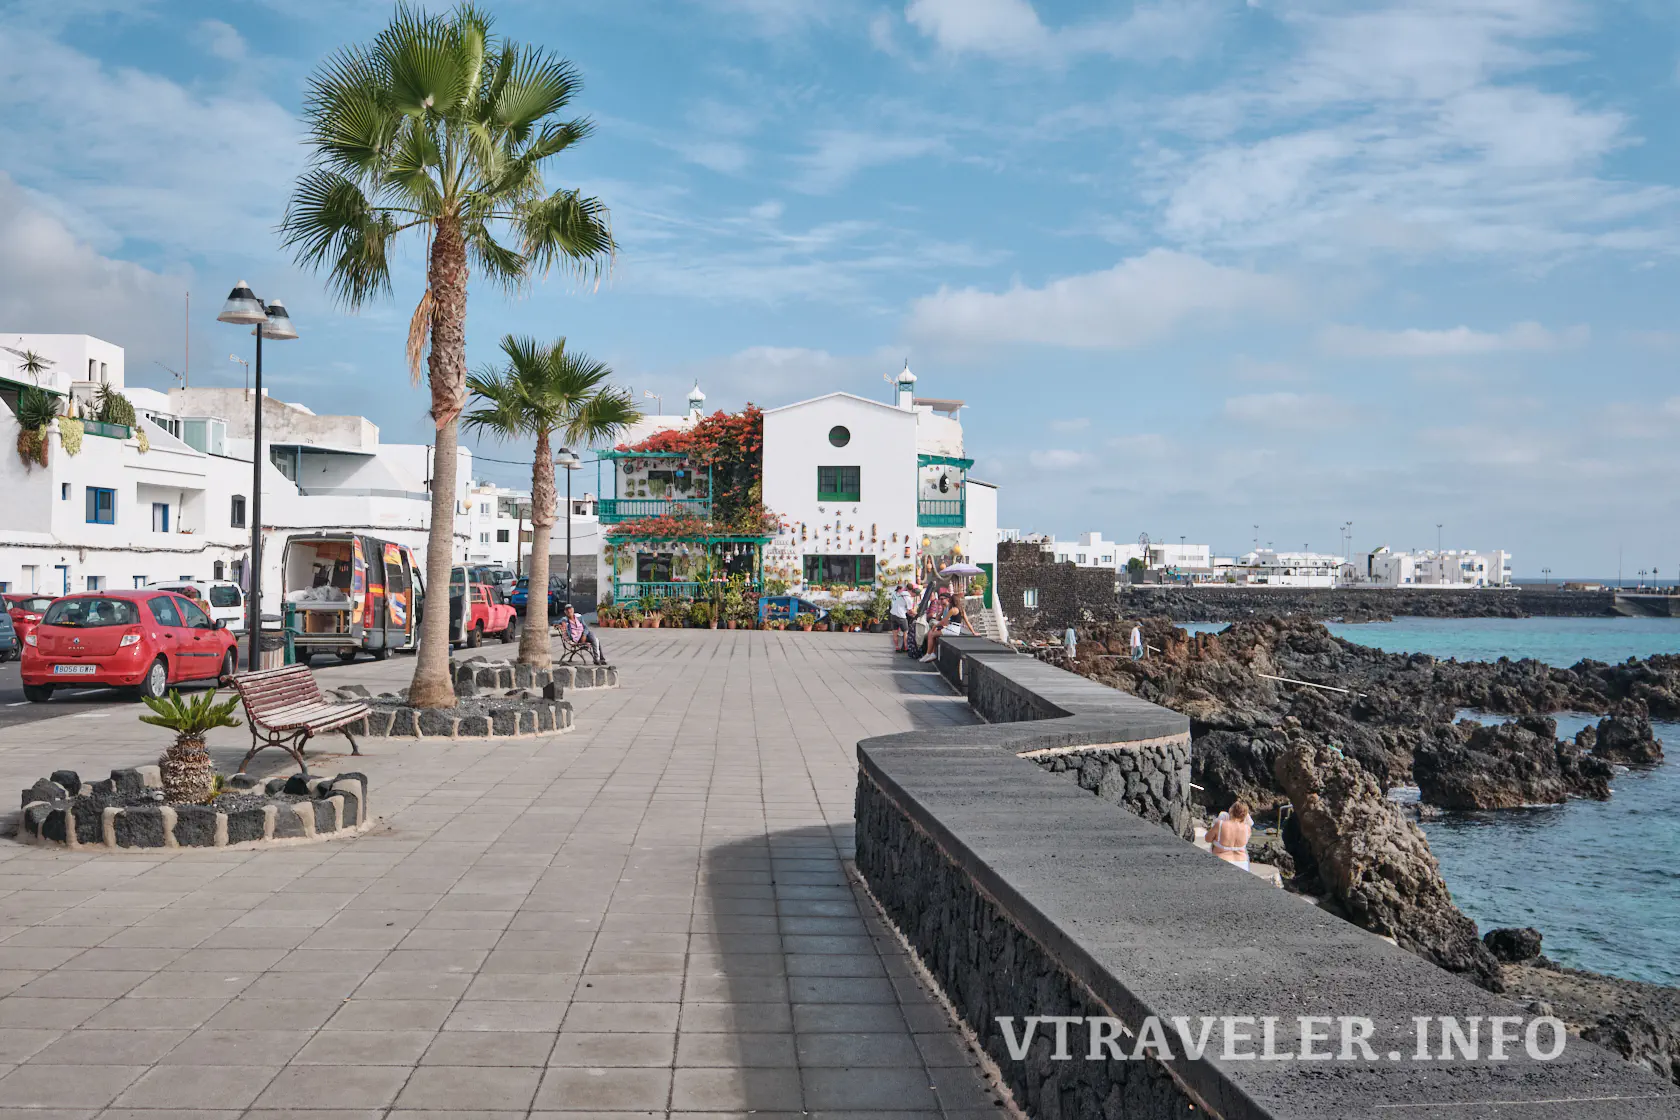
(1194, 264)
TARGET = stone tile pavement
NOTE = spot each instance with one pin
(647, 916)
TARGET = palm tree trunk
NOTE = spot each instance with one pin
(534, 648)
(446, 366)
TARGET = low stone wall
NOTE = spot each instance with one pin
(476, 676)
(127, 811)
(490, 717)
(1151, 780)
(1025, 895)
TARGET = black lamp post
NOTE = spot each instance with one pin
(269, 321)
(570, 462)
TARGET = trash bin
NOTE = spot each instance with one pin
(273, 648)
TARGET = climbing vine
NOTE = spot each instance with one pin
(733, 447)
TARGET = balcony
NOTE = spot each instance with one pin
(109, 431)
(941, 513)
(612, 511)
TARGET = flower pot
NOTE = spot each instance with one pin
(874, 627)
(730, 624)
(805, 626)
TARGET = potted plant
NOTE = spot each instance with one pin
(700, 615)
(188, 777)
(806, 620)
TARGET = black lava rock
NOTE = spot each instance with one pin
(69, 779)
(1513, 946)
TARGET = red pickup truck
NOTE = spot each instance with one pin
(488, 613)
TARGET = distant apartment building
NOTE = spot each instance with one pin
(1385, 567)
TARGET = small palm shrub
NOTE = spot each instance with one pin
(36, 409)
(188, 778)
(111, 407)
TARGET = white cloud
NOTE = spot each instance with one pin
(130, 156)
(1013, 29)
(1363, 342)
(773, 375)
(222, 40)
(1136, 302)
(1407, 127)
(840, 154)
(1289, 410)
(1059, 459)
(61, 285)
(1004, 27)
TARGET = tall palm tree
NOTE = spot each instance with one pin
(545, 391)
(440, 128)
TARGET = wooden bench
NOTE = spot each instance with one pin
(285, 709)
(571, 652)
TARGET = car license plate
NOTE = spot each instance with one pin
(75, 670)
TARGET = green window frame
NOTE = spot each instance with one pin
(839, 484)
(845, 568)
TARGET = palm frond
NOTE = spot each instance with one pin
(352, 123)
(329, 221)
(602, 418)
(426, 61)
(567, 228)
(414, 171)
(507, 267)
(539, 85)
(419, 330)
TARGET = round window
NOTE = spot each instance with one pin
(839, 435)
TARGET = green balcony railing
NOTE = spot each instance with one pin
(109, 431)
(626, 593)
(611, 511)
(941, 513)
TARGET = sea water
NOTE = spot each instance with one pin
(1599, 879)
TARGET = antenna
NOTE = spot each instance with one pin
(181, 377)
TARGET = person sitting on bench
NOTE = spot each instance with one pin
(579, 634)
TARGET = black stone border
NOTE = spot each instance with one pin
(1023, 894)
(508, 718)
(62, 811)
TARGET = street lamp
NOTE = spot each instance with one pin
(653, 396)
(247, 365)
(268, 321)
(565, 459)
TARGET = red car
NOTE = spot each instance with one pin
(26, 609)
(488, 613)
(144, 640)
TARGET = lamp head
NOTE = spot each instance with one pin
(242, 307)
(279, 327)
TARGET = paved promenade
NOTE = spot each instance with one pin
(645, 916)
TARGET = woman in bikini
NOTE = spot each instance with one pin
(1229, 835)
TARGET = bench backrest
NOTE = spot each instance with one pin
(269, 690)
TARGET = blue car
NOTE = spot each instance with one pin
(789, 607)
(10, 648)
(556, 595)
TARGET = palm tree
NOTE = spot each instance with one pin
(545, 391)
(438, 127)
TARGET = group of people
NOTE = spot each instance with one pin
(920, 615)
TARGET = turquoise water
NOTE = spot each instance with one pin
(1556, 641)
(1601, 880)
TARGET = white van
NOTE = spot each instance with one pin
(221, 600)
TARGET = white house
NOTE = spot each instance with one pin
(125, 510)
(497, 525)
(872, 491)
(1270, 568)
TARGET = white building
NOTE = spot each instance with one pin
(124, 511)
(497, 525)
(1384, 567)
(1270, 568)
(869, 491)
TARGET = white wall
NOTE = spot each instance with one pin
(981, 547)
(882, 445)
(69, 355)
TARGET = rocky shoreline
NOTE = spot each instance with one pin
(1313, 732)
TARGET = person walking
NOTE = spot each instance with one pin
(900, 616)
(1137, 643)
(576, 631)
(1229, 835)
